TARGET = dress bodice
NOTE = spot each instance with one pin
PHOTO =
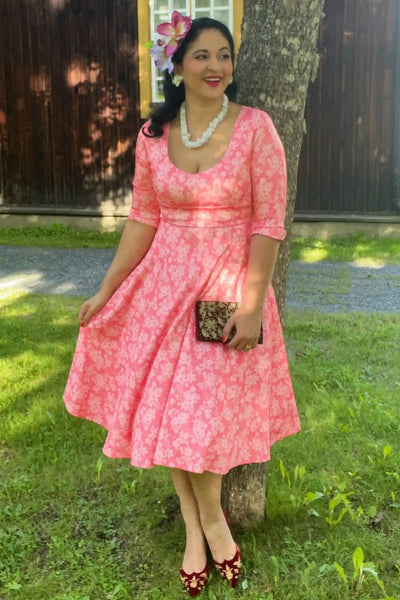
(248, 184)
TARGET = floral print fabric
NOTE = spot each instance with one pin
(164, 397)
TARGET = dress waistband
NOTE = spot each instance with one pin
(206, 217)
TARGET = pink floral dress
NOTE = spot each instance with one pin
(165, 398)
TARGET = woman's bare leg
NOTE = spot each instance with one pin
(207, 490)
(195, 557)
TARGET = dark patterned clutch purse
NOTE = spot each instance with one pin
(211, 317)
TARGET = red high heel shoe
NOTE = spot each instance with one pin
(194, 582)
(230, 569)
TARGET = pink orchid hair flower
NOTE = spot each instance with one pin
(167, 44)
(177, 29)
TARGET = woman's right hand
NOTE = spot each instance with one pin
(91, 307)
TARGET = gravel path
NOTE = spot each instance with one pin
(329, 287)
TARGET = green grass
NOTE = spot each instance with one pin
(78, 526)
(57, 235)
(356, 247)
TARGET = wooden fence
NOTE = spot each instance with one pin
(347, 161)
(69, 106)
(68, 102)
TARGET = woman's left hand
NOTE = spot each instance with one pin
(248, 325)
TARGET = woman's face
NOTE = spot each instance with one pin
(207, 66)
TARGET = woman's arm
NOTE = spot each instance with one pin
(260, 269)
(247, 319)
(135, 241)
(268, 185)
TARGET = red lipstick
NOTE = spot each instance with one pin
(213, 82)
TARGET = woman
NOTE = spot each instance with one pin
(205, 224)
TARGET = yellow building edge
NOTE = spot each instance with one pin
(143, 15)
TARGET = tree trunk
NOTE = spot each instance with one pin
(276, 62)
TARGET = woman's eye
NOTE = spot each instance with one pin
(225, 56)
(201, 56)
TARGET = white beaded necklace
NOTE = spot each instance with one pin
(208, 132)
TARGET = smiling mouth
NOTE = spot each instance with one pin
(214, 81)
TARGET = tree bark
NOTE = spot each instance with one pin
(276, 62)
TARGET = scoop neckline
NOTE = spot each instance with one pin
(227, 151)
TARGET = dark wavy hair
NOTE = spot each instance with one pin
(174, 96)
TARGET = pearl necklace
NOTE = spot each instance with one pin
(208, 132)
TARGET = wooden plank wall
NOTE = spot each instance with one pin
(69, 106)
(69, 102)
(346, 161)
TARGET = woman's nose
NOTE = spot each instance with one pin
(213, 64)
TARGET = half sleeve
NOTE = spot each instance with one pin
(145, 207)
(268, 180)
